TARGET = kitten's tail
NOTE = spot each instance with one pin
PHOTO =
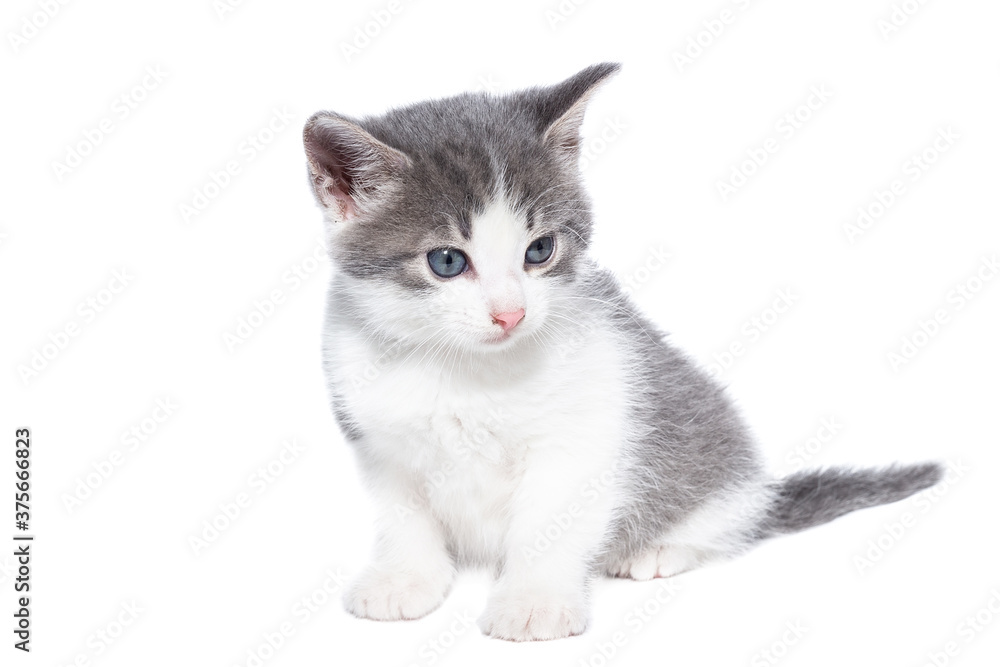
(811, 497)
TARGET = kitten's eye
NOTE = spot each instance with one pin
(447, 262)
(539, 251)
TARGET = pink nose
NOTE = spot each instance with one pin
(509, 320)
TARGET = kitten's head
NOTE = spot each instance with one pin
(455, 221)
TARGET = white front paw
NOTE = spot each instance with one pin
(393, 596)
(532, 617)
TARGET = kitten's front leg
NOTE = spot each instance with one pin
(411, 570)
(557, 526)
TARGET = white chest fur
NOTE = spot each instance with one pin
(463, 435)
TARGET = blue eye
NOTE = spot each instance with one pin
(539, 251)
(447, 262)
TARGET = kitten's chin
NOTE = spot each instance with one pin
(496, 342)
(501, 341)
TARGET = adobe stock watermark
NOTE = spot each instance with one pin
(899, 15)
(912, 170)
(434, 648)
(464, 441)
(956, 299)
(561, 522)
(793, 633)
(372, 370)
(488, 84)
(56, 342)
(258, 482)
(32, 24)
(633, 623)
(292, 279)
(131, 439)
(803, 453)
(561, 12)
(598, 144)
(303, 610)
(575, 339)
(401, 350)
(752, 330)
(920, 506)
(966, 632)
(710, 31)
(217, 180)
(366, 33)
(787, 126)
(108, 634)
(223, 8)
(122, 106)
(656, 260)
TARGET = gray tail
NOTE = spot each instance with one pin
(811, 497)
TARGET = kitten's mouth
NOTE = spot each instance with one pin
(501, 338)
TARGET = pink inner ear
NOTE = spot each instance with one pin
(349, 166)
(335, 195)
(347, 208)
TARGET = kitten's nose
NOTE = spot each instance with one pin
(508, 320)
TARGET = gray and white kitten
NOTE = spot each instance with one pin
(509, 406)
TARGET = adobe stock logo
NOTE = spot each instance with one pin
(958, 297)
(250, 147)
(787, 126)
(138, 435)
(371, 29)
(899, 16)
(33, 23)
(970, 627)
(712, 30)
(561, 12)
(122, 106)
(636, 619)
(920, 505)
(58, 341)
(752, 330)
(794, 631)
(231, 510)
(913, 169)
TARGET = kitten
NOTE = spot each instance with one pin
(509, 406)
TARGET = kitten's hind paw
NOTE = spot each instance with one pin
(532, 617)
(390, 596)
(657, 562)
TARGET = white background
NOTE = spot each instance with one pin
(671, 132)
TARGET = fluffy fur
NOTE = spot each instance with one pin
(575, 445)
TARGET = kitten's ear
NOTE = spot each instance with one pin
(562, 106)
(348, 167)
